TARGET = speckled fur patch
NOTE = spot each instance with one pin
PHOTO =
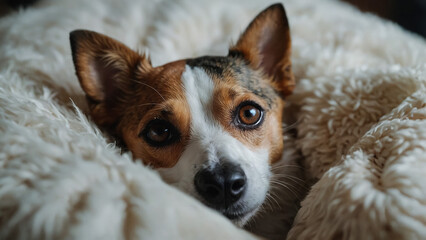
(235, 68)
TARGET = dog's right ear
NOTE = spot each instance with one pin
(266, 45)
(105, 69)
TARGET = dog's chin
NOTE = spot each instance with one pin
(238, 214)
(241, 218)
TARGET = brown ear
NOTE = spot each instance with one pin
(104, 68)
(266, 45)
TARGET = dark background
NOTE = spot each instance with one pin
(410, 14)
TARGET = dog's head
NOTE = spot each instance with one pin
(210, 125)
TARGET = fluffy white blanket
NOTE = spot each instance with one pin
(360, 109)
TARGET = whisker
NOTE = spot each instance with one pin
(276, 167)
(288, 188)
(278, 175)
(301, 185)
(139, 82)
(146, 104)
(297, 195)
(296, 180)
(291, 126)
(272, 197)
(276, 196)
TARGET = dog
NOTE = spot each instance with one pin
(212, 125)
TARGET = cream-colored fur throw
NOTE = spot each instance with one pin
(359, 108)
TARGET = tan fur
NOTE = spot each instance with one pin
(149, 104)
(227, 96)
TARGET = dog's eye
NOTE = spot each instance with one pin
(159, 133)
(249, 115)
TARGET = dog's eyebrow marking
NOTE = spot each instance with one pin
(199, 93)
(265, 92)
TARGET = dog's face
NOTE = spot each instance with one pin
(210, 125)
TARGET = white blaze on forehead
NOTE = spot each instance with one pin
(206, 132)
(199, 88)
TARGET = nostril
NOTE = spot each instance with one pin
(235, 183)
(238, 185)
(210, 186)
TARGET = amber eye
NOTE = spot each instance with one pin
(159, 133)
(249, 115)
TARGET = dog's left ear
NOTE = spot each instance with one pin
(266, 45)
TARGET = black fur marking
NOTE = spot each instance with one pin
(259, 88)
(236, 54)
(20, 3)
(211, 64)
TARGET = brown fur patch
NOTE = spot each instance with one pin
(158, 96)
(125, 93)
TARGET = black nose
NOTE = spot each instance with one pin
(222, 185)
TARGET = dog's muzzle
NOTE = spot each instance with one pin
(221, 187)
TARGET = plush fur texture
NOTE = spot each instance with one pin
(359, 108)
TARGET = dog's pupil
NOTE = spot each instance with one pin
(159, 132)
(250, 113)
